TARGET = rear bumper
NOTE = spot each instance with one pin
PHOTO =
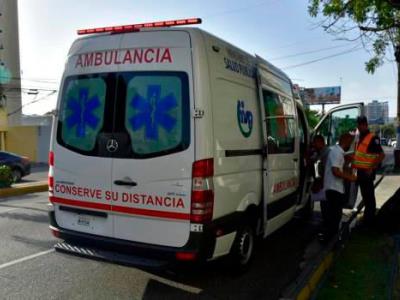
(201, 244)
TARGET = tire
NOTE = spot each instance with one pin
(16, 175)
(242, 250)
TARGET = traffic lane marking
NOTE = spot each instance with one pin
(26, 258)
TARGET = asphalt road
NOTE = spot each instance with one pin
(31, 269)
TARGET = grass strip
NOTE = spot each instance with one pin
(362, 269)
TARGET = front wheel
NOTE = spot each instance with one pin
(16, 175)
(242, 250)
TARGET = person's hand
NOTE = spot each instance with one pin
(352, 178)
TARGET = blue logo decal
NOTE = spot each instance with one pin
(82, 112)
(153, 112)
(245, 119)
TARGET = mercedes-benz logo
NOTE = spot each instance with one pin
(112, 145)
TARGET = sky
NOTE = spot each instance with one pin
(280, 31)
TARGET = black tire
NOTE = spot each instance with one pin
(16, 175)
(242, 251)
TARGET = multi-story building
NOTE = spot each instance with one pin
(10, 82)
(377, 112)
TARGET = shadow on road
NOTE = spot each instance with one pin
(25, 217)
(276, 264)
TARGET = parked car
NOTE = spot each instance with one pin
(20, 165)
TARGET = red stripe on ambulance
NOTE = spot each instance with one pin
(121, 209)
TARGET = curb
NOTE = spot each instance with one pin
(307, 282)
(21, 189)
(308, 290)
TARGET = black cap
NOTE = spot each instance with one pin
(362, 120)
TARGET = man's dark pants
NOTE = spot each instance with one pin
(366, 184)
(334, 201)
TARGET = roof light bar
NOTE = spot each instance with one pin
(137, 27)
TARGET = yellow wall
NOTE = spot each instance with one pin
(22, 140)
(3, 119)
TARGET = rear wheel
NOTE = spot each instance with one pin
(242, 250)
(16, 175)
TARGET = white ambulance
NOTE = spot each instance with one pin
(171, 144)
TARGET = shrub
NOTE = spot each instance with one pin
(5, 176)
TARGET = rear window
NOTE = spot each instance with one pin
(145, 114)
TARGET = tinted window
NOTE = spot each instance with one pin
(146, 113)
(337, 123)
(83, 112)
(157, 112)
(280, 122)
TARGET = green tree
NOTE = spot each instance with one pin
(373, 24)
(388, 130)
(313, 117)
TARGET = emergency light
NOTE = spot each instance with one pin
(137, 27)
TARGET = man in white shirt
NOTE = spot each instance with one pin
(334, 183)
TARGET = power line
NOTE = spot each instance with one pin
(308, 52)
(323, 58)
(31, 102)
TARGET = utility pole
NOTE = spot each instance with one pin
(397, 150)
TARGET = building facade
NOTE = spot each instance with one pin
(377, 112)
(10, 78)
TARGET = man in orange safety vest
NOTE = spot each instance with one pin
(367, 157)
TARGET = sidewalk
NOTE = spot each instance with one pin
(33, 183)
(366, 265)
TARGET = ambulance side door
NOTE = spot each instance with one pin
(339, 120)
(281, 149)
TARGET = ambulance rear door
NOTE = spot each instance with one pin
(84, 121)
(151, 176)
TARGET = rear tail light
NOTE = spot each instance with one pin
(51, 158)
(202, 205)
(55, 231)
(186, 256)
(51, 183)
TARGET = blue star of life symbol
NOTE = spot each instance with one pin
(82, 112)
(153, 112)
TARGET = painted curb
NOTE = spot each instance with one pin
(21, 189)
(308, 290)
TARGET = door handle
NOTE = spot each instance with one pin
(122, 182)
(295, 159)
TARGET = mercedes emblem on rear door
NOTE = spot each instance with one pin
(112, 145)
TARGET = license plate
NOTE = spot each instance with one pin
(83, 220)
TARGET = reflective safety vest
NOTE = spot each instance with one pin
(362, 159)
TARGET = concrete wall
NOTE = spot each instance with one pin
(23, 140)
